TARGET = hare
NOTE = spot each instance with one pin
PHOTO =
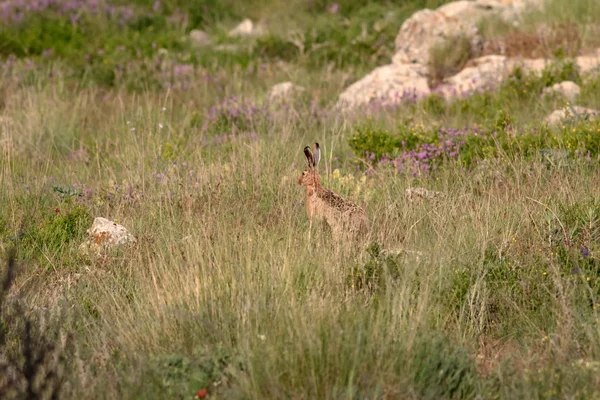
(346, 219)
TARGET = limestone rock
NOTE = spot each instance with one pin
(419, 194)
(407, 77)
(200, 38)
(105, 235)
(512, 10)
(485, 73)
(245, 28)
(558, 116)
(387, 85)
(569, 90)
(532, 65)
(284, 92)
(588, 63)
(428, 28)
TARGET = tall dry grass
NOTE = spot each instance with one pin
(227, 289)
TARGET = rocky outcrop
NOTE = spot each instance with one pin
(427, 28)
(391, 84)
(588, 63)
(199, 38)
(105, 235)
(572, 113)
(407, 77)
(419, 194)
(284, 92)
(485, 73)
(245, 28)
(387, 85)
(567, 89)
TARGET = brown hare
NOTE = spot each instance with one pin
(346, 219)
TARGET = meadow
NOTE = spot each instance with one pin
(107, 109)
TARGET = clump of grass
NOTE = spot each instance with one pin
(376, 271)
(441, 370)
(448, 58)
(33, 355)
(61, 230)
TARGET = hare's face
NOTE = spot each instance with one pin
(309, 177)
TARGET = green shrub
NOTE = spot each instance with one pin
(434, 104)
(273, 46)
(372, 142)
(179, 375)
(58, 229)
(560, 71)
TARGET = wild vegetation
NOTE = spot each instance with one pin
(108, 109)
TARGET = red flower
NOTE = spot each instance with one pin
(56, 210)
(202, 393)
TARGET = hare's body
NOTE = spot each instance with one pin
(346, 219)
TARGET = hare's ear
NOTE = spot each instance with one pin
(309, 156)
(317, 155)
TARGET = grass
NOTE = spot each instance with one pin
(448, 59)
(491, 291)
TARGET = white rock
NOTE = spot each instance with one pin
(387, 85)
(199, 37)
(532, 65)
(488, 72)
(428, 28)
(485, 73)
(418, 194)
(569, 90)
(513, 10)
(244, 28)
(558, 116)
(407, 76)
(105, 235)
(283, 92)
(588, 63)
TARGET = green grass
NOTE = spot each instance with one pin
(491, 291)
(109, 51)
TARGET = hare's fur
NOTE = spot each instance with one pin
(346, 219)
